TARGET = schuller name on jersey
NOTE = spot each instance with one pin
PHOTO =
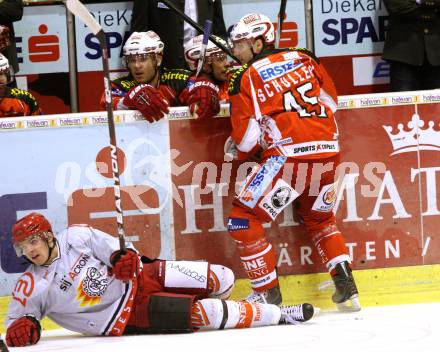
(281, 76)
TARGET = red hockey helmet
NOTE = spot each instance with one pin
(31, 224)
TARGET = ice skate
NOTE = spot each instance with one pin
(346, 293)
(296, 314)
(271, 296)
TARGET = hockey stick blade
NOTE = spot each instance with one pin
(80, 11)
(206, 33)
(281, 16)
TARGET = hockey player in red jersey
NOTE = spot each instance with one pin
(82, 281)
(152, 89)
(282, 105)
(215, 66)
(13, 101)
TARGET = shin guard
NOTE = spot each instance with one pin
(221, 281)
(256, 254)
(259, 265)
(215, 314)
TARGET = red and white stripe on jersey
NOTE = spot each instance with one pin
(121, 316)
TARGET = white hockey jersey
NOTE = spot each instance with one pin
(76, 290)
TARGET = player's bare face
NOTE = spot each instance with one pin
(143, 68)
(3, 83)
(35, 248)
(220, 65)
(242, 49)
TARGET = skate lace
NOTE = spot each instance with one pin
(292, 314)
(257, 297)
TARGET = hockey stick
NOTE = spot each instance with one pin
(199, 28)
(281, 16)
(79, 10)
(206, 33)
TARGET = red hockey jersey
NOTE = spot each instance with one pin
(18, 102)
(285, 101)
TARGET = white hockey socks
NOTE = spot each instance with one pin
(215, 314)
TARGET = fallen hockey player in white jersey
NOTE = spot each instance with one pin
(82, 281)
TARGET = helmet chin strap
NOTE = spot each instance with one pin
(156, 74)
(252, 48)
(262, 49)
(253, 52)
(3, 88)
(50, 250)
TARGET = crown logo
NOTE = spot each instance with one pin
(415, 138)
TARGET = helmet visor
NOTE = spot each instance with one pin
(23, 247)
(218, 57)
(133, 59)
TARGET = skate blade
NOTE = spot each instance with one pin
(325, 285)
(223, 295)
(350, 305)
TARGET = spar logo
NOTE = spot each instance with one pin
(44, 47)
(116, 25)
(344, 25)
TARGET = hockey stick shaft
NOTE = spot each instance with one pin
(80, 11)
(281, 16)
(206, 33)
(199, 28)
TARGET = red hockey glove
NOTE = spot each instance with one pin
(125, 265)
(202, 99)
(148, 100)
(24, 331)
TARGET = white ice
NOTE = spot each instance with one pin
(403, 328)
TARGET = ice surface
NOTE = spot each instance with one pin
(403, 328)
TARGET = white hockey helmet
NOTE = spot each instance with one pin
(5, 68)
(141, 43)
(194, 47)
(253, 26)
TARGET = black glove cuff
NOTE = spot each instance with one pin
(116, 255)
